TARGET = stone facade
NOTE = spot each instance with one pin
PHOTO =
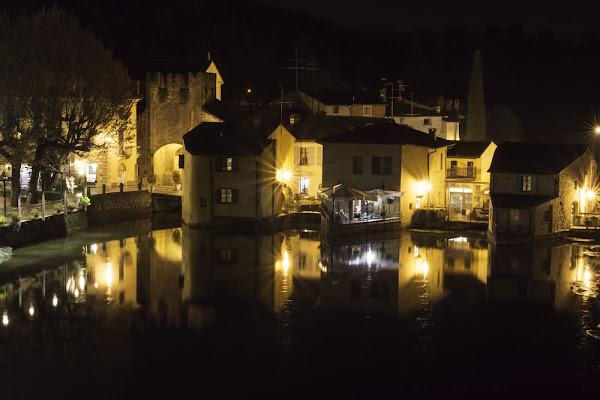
(173, 107)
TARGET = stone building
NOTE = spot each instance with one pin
(538, 189)
(172, 107)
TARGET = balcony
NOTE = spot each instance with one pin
(124, 152)
(458, 173)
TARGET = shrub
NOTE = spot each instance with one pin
(34, 213)
(85, 201)
(71, 207)
(176, 177)
(59, 207)
(16, 218)
(2, 219)
(151, 178)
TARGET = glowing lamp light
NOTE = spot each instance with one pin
(283, 175)
(587, 275)
(31, 310)
(597, 129)
(54, 300)
(423, 187)
(5, 319)
(96, 285)
(590, 194)
(249, 91)
(425, 269)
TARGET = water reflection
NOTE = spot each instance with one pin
(182, 277)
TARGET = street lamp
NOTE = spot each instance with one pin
(4, 178)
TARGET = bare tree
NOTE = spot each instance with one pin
(77, 97)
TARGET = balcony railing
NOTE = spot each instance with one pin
(455, 173)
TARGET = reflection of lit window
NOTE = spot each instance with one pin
(416, 252)
(226, 256)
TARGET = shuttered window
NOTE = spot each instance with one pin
(381, 165)
(226, 164)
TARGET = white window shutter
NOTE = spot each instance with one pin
(296, 155)
(320, 156)
(533, 179)
(310, 154)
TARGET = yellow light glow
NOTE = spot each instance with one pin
(96, 285)
(590, 194)
(286, 262)
(94, 248)
(76, 293)
(81, 282)
(249, 90)
(423, 187)
(31, 310)
(587, 275)
(597, 129)
(425, 269)
(5, 319)
(283, 175)
(369, 257)
(54, 300)
(108, 274)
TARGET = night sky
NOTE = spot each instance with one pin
(540, 63)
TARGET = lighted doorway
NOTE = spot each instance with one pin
(304, 186)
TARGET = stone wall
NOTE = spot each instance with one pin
(39, 230)
(116, 205)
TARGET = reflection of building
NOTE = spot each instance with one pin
(537, 188)
(541, 274)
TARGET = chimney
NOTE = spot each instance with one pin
(432, 134)
(456, 104)
(438, 109)
(448, 105)
(440, 102)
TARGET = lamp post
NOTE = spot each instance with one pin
(4, 178)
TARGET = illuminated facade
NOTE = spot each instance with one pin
(402, 163)
(538, 189)
(227, 179)
(467, 176)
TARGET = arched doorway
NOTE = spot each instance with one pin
(165, 161)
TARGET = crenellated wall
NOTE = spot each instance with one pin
(173, 107)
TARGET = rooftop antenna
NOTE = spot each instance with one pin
(296, 67)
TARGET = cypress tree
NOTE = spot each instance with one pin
(475, 102)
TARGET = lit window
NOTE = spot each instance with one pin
(367, 111)
(304, 186)
(229, 164)
(226, 196)
(526, 183)
(513, 217)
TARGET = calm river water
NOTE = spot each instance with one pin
(133, 311)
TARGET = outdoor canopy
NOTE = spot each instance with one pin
(343, 192)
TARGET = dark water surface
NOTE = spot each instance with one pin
(137, 312)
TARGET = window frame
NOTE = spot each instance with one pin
(357, 165)
(526, 183)
(303, 158)
(370, 113)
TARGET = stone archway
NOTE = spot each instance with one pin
(165, 161)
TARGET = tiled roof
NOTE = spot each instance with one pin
(535, 158)
(518, 201)
(464, 149)
(318, 127)
(216, 138)
(345, 97)
(385, 134)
